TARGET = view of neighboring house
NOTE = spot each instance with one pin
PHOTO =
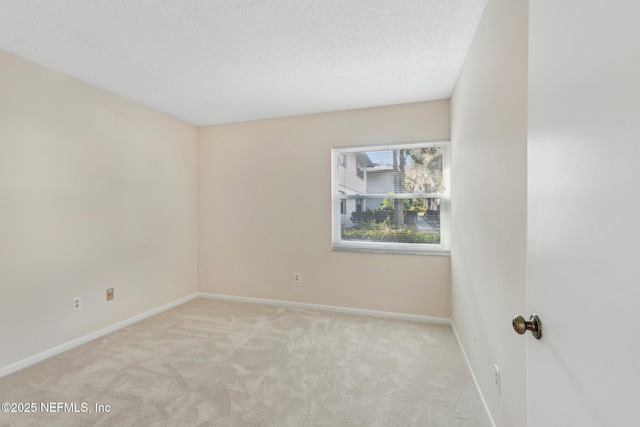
(381, 179)
(358, 174)
(352, 179)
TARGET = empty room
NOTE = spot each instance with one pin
(319, 213)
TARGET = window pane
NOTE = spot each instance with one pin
(409, 170)
(391, 220)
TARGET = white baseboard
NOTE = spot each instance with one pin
(9, 369)
(473, 376)
(331, 308)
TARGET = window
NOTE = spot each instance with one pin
(359, 169)
(396, 199)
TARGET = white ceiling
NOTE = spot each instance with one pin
(219, 61)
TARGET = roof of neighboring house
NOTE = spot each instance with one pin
(365, 159)
(376, 167)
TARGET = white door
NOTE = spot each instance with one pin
(583, 257)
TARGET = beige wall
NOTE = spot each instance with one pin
(98, 192)
(265, 213)
(488, 251)
(95, 192)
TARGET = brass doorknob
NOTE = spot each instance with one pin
(533, 324)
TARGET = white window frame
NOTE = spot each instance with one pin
(442, 248)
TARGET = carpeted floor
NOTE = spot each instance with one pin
(220, 363)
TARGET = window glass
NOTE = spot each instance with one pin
(394, 198)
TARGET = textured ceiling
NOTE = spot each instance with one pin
(218, 61)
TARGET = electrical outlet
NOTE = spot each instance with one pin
(77, 303)
(498, 379)
(296, 277)
(109, 294)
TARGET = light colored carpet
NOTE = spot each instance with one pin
(220, 363)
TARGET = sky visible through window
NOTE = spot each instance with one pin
(381, 157)
(385, 157)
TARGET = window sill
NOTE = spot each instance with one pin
(428, 252)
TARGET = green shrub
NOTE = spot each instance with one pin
(408, 204)
(378, 234)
